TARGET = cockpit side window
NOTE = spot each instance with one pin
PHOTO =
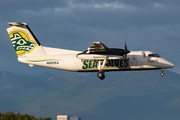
(151, 55)
(154, 55)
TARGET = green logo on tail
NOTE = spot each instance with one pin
(21, 42)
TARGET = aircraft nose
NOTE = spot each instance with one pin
(170, 65)
(167, 64)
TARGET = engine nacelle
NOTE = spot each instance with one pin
(98, 57)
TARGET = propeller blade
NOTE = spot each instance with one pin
(126, 51)
(125, 46)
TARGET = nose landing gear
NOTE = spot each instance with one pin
(162, 74)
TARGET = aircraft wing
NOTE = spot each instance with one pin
(97, 47)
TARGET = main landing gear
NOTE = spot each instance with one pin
(101, 75)
(162, 74)
(101, 65)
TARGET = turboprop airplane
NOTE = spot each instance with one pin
(97, 58)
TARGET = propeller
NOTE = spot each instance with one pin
(126, 51)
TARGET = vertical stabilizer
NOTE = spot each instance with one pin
(24, 41)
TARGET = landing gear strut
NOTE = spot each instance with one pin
(101, 65)
(101, 75)
(162, 74)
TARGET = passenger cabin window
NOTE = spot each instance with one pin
(154, 55)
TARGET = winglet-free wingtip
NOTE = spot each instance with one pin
(16, 23)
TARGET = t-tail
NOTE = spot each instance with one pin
(24, 41)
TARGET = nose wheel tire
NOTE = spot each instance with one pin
(162, 74)
(101, 75)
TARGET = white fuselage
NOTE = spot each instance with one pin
(98, 57)
(67, 60)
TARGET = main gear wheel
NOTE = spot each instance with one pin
(101, 75)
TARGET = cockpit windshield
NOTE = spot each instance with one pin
(154, 55)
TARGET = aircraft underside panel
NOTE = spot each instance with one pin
(131, 69)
